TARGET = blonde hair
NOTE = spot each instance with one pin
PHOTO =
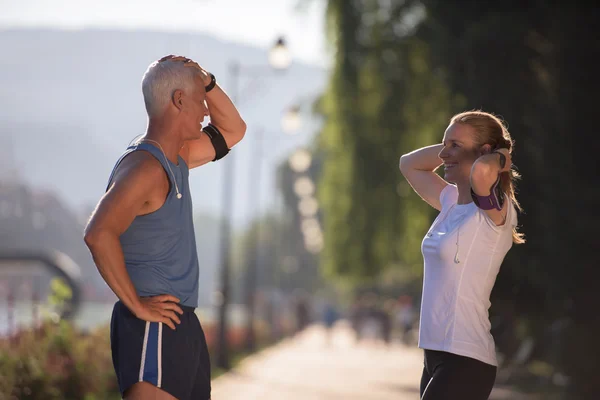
(490, 129)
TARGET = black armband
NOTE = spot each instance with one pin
(217, 140)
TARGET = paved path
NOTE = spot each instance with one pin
(306, 367)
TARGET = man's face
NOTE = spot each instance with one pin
(198, 109)
(195, 111)
(193, 108)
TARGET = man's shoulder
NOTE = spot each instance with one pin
(139, 164)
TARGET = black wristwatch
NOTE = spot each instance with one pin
(211, 85)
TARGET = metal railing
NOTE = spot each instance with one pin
(31, 266)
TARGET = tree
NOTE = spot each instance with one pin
(383, 100)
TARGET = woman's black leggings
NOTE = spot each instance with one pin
(448, 376)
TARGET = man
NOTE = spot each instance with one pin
(141, 234)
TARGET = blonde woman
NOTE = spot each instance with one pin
(463, 251)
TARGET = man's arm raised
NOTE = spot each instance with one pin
(132, 189)
(223, 115)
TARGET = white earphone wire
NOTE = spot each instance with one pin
(179, 195)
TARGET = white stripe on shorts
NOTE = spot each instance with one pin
(159, 352)
(141, 377)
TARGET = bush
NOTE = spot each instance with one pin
(57, 362)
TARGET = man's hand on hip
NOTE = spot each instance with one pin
(161, 308)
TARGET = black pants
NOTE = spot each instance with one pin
(449, 376)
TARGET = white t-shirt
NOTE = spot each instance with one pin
(458, 278)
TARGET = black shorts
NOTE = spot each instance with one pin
(176, 361)
(450, 376)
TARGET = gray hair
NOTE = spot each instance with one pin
(161, 79)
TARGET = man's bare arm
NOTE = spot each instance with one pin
(223, 114)
(131, 190)
(226, 118)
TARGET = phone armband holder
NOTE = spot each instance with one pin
(495, 200)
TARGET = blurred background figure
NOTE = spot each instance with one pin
(371, 320)
(385, 314)
(405, 318)
(302, 310)
(330, 317)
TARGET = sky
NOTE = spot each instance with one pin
(255, 22)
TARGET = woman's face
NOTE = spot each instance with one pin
(459, 152)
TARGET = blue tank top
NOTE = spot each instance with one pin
(160, 247)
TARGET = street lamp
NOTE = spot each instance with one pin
(279, 55)
(291, 122)
(313, 236)
(308, 207)
(279, 59)
(304, 186)
(300, 160)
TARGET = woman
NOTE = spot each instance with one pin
(463, 251)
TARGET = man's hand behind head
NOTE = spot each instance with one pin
(188, 62)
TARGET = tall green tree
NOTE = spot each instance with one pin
(383, 100)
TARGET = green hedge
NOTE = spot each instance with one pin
(60, 362)
(57, 362)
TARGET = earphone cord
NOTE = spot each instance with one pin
(179, 195)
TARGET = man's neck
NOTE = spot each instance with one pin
(168, 141)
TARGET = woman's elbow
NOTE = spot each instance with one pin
(403, 164)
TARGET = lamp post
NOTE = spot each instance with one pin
(293, 115)
(279, 59)
(253, 242)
